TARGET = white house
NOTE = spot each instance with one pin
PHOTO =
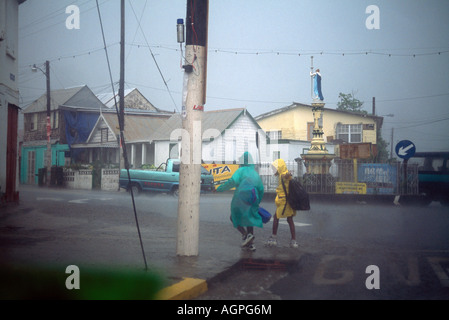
(226, 135)
(153, 137)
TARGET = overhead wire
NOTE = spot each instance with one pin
(154, 58)
(37, 30)
(122, 137)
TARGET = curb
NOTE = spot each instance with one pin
(187, 289)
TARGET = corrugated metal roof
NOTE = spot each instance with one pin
(301, 105)
(219, 120)
(108, 98)
(138, 128)
(156, 127)
(78, 96)
(58, 97)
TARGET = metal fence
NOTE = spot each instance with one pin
(350, 177)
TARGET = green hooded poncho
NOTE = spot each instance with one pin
(247, 195)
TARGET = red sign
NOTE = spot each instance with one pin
(48, 128)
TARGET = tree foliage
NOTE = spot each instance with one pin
(349, 103)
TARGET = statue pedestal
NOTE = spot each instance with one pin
(318, 159)
(317, 163)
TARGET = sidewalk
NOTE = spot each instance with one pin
(34, 235)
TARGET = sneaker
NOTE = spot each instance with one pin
(251, 247)
(248, 240)
(294, 244)
(271, 242)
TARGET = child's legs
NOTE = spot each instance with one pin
(292, 227)
(275, 224)
(239, 228)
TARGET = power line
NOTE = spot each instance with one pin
(73, 56)
(122, 136)
(152, 55)
(236, 52)
(422, 124)
(35, 30)
(308, 53)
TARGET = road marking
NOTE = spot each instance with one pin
(436, 263)
(48, 199)
(413, 277)
(79, 201)
(298, 224)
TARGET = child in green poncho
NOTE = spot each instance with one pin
(245, 202)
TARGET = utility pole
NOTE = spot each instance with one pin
(47, 75)
(48, 124)
(195, 70)
(391, 143)
(121, 90)
(48, 155)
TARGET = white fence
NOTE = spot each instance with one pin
(82, 179)
(78, 179)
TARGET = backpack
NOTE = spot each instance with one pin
(297, 197)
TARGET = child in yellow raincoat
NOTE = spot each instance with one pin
(283, 209)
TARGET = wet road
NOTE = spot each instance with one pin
(347, 250)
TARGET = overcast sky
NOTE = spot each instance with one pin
(259, 55)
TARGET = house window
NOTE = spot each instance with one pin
(351, 133)
(54, 120)
(104, 134)
(276, 155)
(173, 151)
(33, 122)
(275, 135)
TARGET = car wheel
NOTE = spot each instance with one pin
(135, 189)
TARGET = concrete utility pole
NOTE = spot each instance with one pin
(121, 90)
(47, 75)
(192, 113)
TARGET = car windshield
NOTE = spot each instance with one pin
(204, 171)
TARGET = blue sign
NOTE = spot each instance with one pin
(379, 178)
(405, 149)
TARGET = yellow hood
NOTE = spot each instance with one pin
(280, 166)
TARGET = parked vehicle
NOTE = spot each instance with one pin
(433, 174)
(163, 179)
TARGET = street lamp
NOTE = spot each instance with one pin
(47, 76)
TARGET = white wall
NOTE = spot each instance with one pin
(230, 145)
(8, 77)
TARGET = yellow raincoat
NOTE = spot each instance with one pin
(281, 200)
